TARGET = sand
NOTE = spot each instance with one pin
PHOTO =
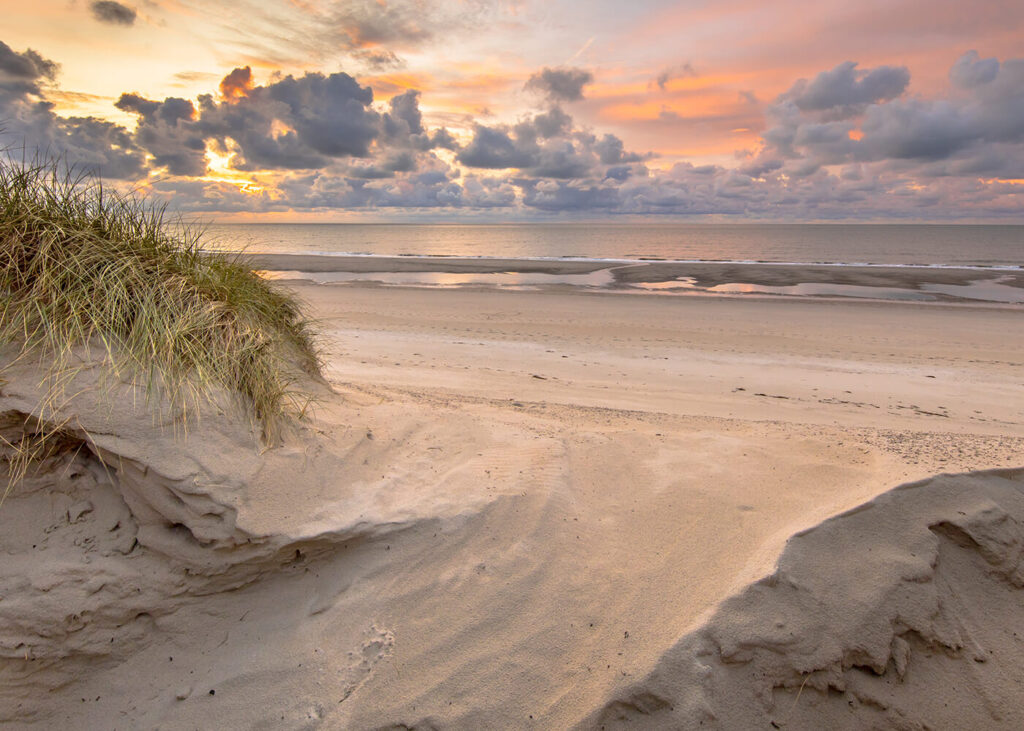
(544, 510)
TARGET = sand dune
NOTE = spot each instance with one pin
(901, 613)
(474, 531)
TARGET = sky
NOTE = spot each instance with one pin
(518, 110)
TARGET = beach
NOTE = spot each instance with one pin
(391, 365)
(520, 502)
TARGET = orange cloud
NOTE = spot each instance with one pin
(237, 84)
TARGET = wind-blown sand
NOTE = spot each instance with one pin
(541, 509)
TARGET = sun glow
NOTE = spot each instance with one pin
(1002, 181)
(219, 170)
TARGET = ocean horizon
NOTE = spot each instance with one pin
(944, 245)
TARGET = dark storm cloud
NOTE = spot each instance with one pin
(114, 13)
(560, 84)
(845, 89)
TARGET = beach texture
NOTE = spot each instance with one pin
(542, 510)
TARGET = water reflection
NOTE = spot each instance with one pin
(448, 280)
(985, 290)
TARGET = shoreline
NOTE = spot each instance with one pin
(880, 282)
(302, 260)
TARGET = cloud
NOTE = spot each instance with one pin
(113, 13)
(611, 151)
(545, 145)
(167, 130)
(376, 59)
(552, 123)
(937, 129)
(24, 68)
(290, 124)
(495, 149)
(371, 32)
(237, 84)
(849, 142)
(557, 196)
(901, 153)
(619, 172)
(28, 123)
(970, 71)
(405, 108)
(560, 84)
(372, 23)
(845, 89)
(674, 72)
(193, 76)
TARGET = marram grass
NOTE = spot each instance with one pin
(81, 266)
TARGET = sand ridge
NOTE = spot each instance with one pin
(901, 613)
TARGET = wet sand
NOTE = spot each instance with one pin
(884, 282)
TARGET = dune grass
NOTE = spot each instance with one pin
(80, 265)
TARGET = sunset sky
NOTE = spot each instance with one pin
(380, 110)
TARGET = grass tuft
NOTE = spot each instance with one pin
(83, 266)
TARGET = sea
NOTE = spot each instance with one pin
(1000, 246)
(996, 252)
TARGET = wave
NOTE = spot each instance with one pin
(636, 260)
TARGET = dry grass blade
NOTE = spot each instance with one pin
(80, 265)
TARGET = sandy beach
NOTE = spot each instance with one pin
(392, 365)
(526, 509)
